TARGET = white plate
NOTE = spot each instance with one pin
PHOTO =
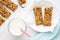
(55, 17)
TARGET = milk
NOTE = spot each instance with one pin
(15, 25)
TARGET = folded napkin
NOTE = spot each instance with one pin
(47, 35)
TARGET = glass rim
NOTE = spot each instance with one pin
(19, 19)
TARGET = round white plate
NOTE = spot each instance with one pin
(55, 16)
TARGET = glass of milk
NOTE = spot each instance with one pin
(15, 25)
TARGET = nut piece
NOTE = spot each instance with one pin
(9, 4)
(1, 21)
(38, 15)
(21, 2)
(4, 12)
(47, 16)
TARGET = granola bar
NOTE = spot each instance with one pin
(4, 12)
(1, 21)
(47, 16)
(38, 15)
(21, 2)
(9, 4)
